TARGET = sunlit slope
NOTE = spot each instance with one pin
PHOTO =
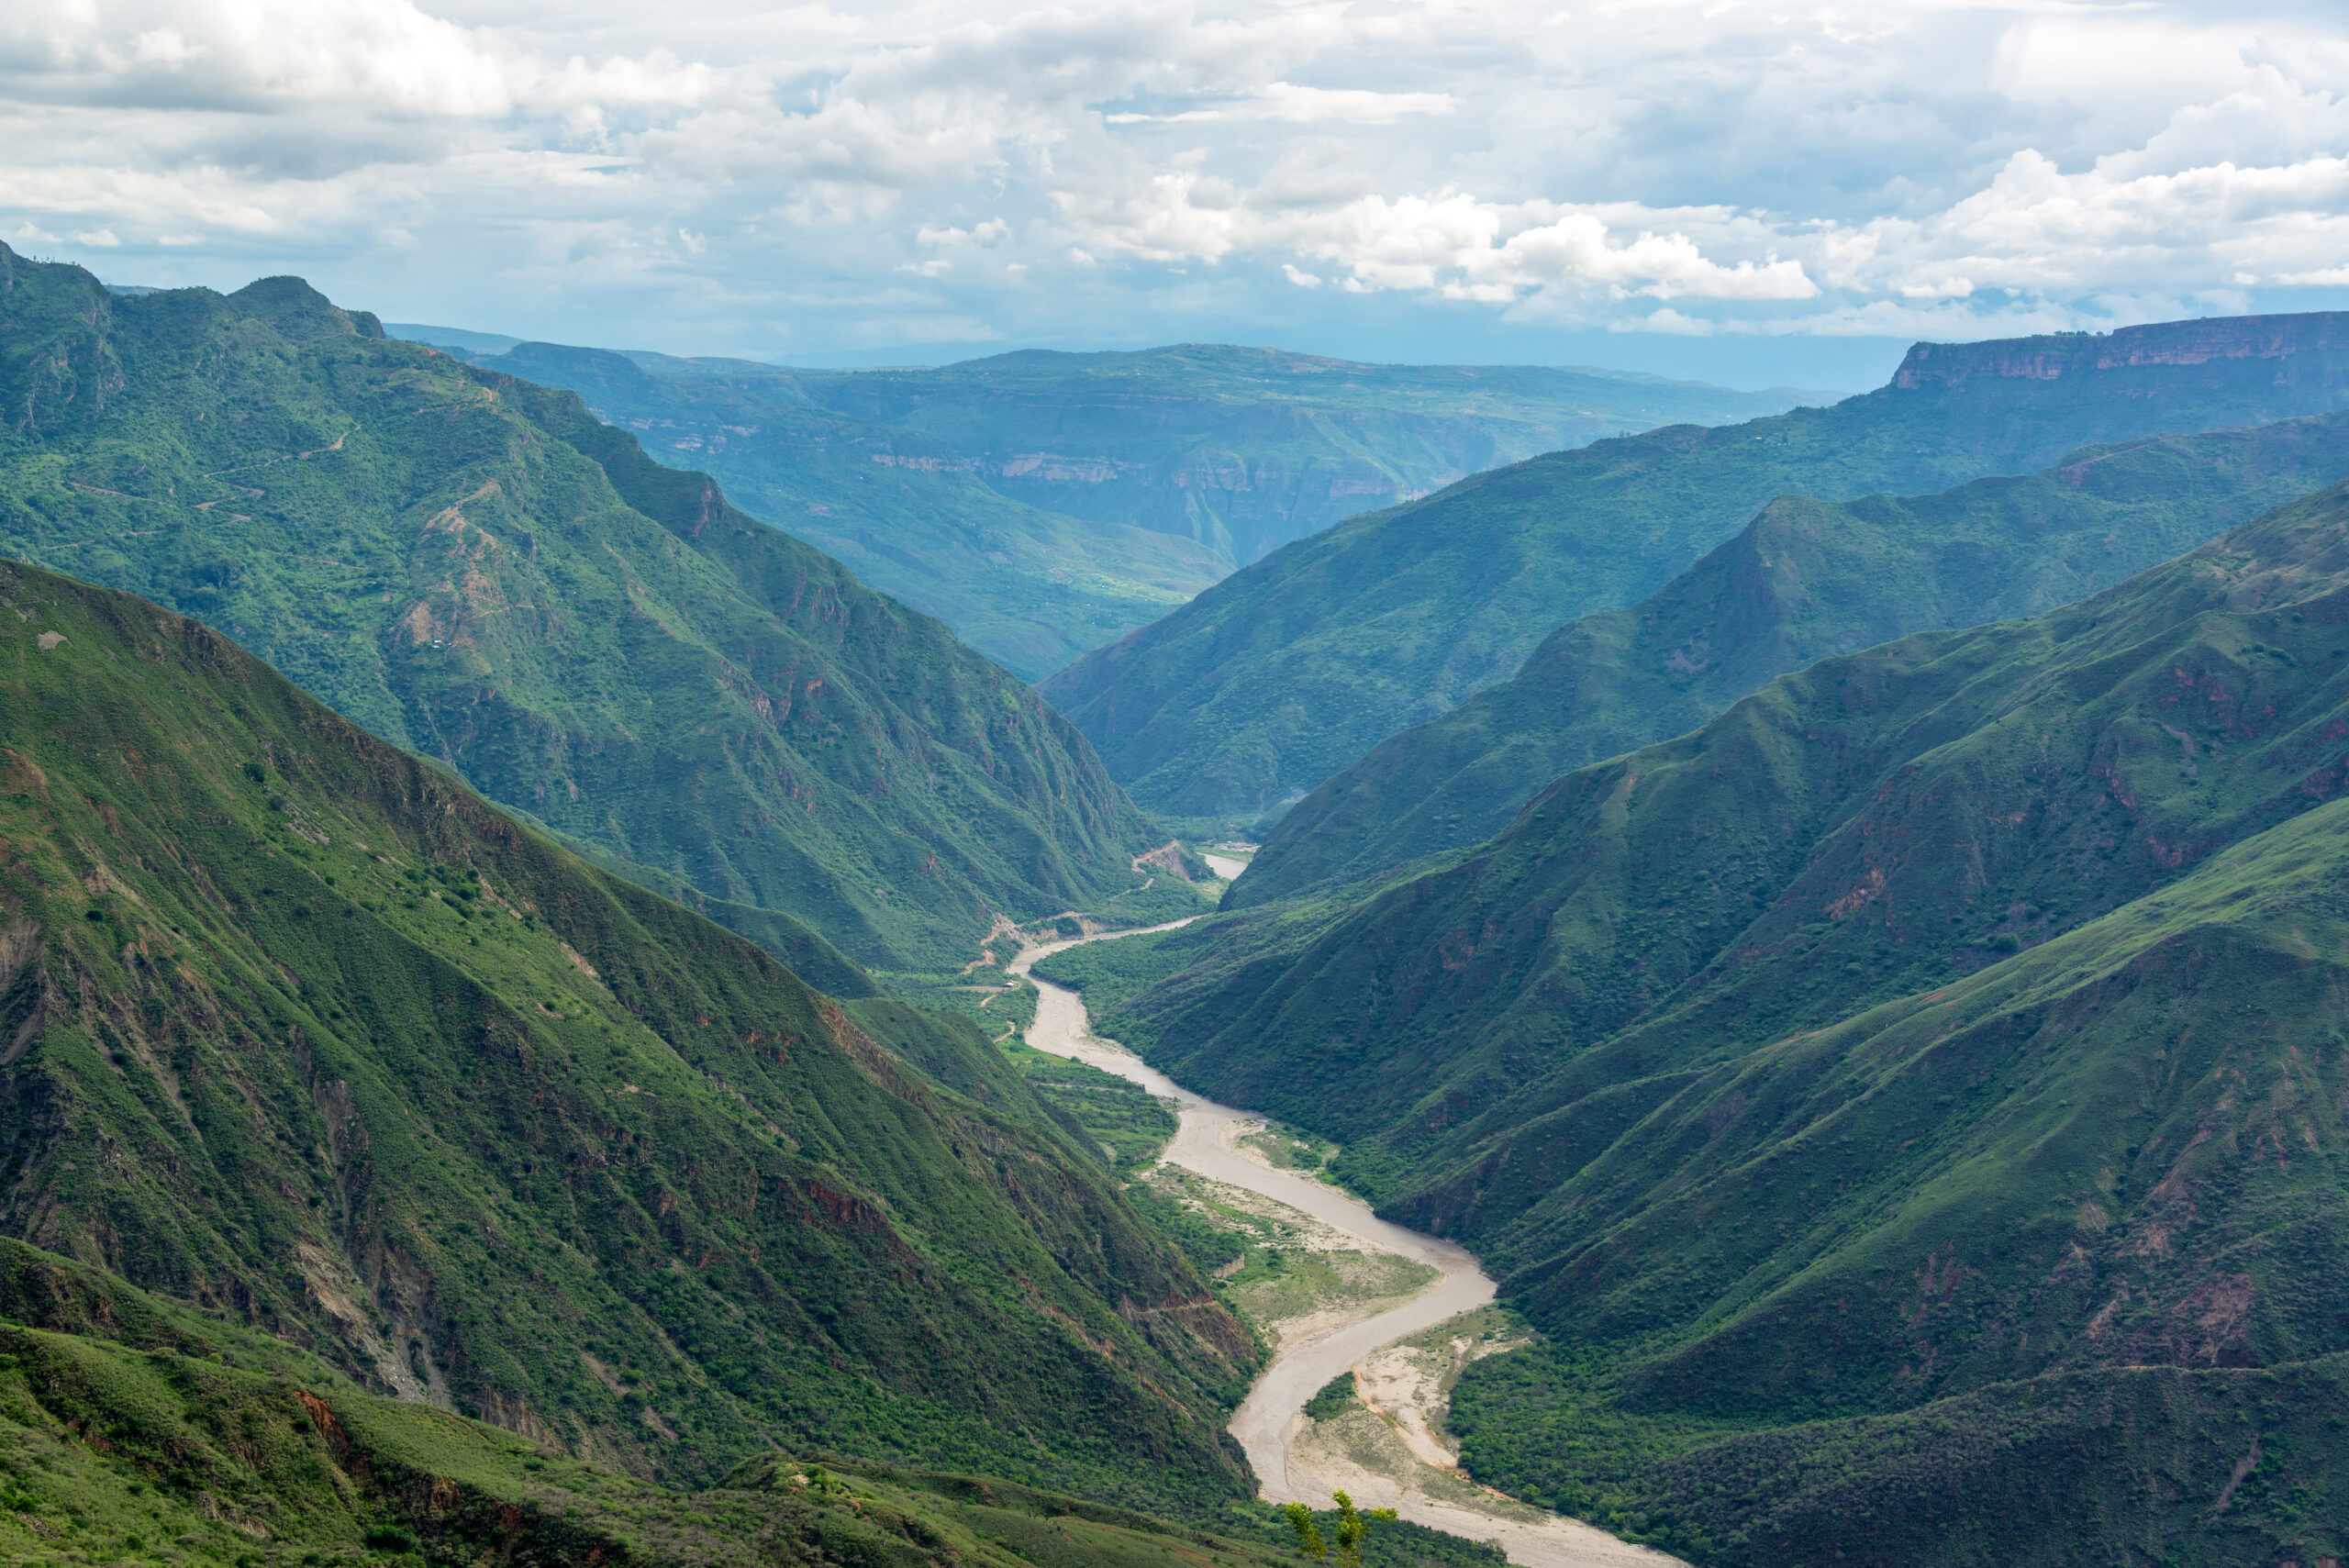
(297, 1027)
(1291, 669)
(474, 567)
(1030, 588)
(1804, 580)
(133, 1424)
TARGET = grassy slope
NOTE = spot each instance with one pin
(1030, 588)
(1804, 580)
(2119, 1150)
(1825, 843)
(130, 1425)
(1285, 672)
(296, 1027)
(1244, 449)
(474, 567)
(1964, 1011)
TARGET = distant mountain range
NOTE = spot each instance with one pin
(1256, 691)
(1043, 504)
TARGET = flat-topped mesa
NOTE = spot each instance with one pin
(2057, 354)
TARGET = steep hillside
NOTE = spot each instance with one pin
(1245, 450)
(2121, 1150)
(1030, 589)
(1804, 580)
(131, 1425)
(1283, 673)
(474, 567)
(296, 1028)
(1844, 836)
(1925, 1047)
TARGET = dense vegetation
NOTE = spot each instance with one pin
(1804, 580)
(1922, 1043)
(1291, 669)
(473, 567)
(298, 1029)
(131, 1425)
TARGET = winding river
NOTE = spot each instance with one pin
(1207, 1142)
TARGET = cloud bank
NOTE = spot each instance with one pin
(738, 178)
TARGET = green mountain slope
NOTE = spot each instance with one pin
(2121, 1150)
(295, 1028)
(129, 1426)
(1939, 1023)
(1715, 891)
(1283, 673)
(1804, 580)
(1030, 588)
(474, 567)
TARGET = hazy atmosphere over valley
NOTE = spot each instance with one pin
(1359, 784)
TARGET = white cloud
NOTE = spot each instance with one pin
(740, 177)
(1305, 105)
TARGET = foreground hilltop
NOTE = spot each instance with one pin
(1288, 671)
(473, 567)
(296, 1028)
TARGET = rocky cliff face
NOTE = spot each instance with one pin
(2059, 354)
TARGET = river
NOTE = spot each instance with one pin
(1206, 1141)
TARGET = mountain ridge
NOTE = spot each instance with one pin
(1803, 579)
(475, 566)
(1291, 669)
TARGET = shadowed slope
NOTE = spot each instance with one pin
(1802, 580)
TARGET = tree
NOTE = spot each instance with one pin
(1309, 1534)
(1353, 1526)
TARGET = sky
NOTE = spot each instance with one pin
(1754, 194)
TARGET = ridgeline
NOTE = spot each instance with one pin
(1290, 670)
(1806, 579)
(473, 567)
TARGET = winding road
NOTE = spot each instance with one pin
(1206, 1141)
